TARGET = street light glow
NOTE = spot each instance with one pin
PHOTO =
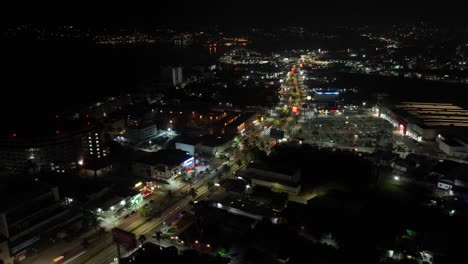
(397, 178)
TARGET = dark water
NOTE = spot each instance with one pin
(44, 77)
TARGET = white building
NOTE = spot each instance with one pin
(141, 133)
(165, 164)
(454, 147)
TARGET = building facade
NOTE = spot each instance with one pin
(66, 145)
(177, 76)
(141, 133)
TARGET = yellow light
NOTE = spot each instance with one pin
(58, 258)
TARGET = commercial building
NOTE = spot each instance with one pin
(53, 145)
(278, 179)
(165, 164)
(187, 144)
(31, 211)
(141, 132)
(326, 95)
(424, 121)
(212, 145)
(453, 146)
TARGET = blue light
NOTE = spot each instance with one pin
(326, 92)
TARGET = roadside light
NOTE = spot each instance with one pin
(208, 245)
(57, 259)
(217, 184)
(172, 237)
(112, 208)
(397, 178)
(99, 210)
(247, 186)
(122, 202)
(196, 242)
(182, 241)
(138, 184)
(240, 178)
(80, 162)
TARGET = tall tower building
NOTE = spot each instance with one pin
(177, 76)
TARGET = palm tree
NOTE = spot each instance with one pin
(190, 180)
(193, 192)
(143, 211)
(210, 184)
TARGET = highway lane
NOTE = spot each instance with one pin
(105, 251)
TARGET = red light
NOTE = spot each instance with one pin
(87, 116)
(57, 132)
(89, 123)
(295, 109)
(13, 135)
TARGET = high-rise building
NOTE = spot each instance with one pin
(54, 145)
(177, 75)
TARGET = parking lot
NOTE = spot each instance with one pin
(357, 131)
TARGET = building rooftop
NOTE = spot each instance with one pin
(215, 140)
(188, 140)
(18, 189)
(168, 157)
(49, 127)
(435, 114)
(141, 125)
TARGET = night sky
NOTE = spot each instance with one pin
(232, 12)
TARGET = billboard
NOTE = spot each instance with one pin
(124, 238)
(276, 133)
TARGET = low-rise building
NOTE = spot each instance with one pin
(187, 144)
(423, 121)
(212, 145)
(277, 179)
(143, 132)
(165, 164)
(453, 146)
(30, 211)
